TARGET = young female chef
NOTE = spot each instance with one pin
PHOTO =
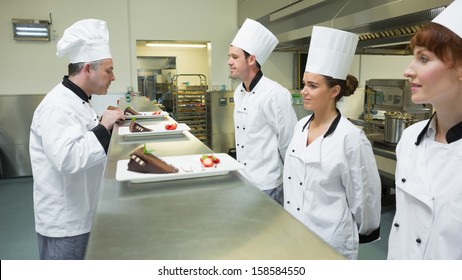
(428, 219)
(331, 181)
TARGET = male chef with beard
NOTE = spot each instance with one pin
(68, 143)
(264, 118)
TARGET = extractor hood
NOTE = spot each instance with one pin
(384, 26)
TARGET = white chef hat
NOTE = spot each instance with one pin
(84, 41)
(255, 39)
(331, 52)
(451, 17)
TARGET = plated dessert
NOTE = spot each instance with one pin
(129, 111)
(143, 161)
(136, 127)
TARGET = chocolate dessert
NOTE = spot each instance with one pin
(110, 107)
(129, 111)
(145, 162)
(136, 127)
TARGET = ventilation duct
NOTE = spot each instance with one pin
(384, 27)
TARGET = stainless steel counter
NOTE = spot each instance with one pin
(222, 217)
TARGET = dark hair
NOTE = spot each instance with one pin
(247, 55)
(347, 87)
(75, 68)
(444, 43)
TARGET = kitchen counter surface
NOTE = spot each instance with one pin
(221, 217)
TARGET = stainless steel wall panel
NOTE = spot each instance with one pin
(221, 122)
(16, 113)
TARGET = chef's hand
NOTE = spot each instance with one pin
(110, 117)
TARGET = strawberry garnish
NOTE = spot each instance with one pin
(209, 160)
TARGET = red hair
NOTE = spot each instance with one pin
(444, 43)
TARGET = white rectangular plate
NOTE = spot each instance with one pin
(189, 167)
(148, 115)
(157, 130)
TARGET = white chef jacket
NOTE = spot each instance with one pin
(264, 120)
(333, 186)
(67, 164)
(428, 219)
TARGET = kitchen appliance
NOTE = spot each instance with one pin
(388, 109)
(147, 85)
(221, 121)
(392, 95)
(395, 123)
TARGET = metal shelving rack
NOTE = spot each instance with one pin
(190, 104)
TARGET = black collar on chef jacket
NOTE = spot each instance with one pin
(332, 126)
(103, 136)
(75, 89)
(453, 134)
(255, 81)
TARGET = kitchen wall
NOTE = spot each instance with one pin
(29, 67)
(32, 67)
(379, 67)
(188, 61)
(367, 67)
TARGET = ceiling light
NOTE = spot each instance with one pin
(31, 29)
(175, 45)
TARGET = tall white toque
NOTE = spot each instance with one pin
(255, 39)
(451, 17)
(331, 52)
(84, 41)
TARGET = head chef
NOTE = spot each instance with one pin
(86, 43)
(69, 143)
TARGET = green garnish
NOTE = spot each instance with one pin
(133, 118)
(146, 151)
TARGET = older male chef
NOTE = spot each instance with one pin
(68, 144)
(263, 114)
